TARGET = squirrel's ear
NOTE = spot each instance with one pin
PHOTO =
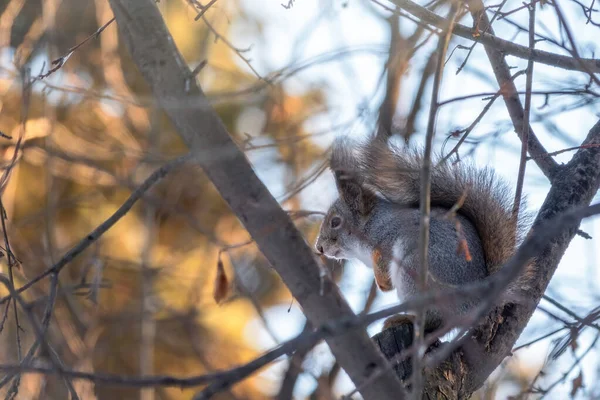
(357, 198)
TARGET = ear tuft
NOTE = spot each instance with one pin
(346, 167)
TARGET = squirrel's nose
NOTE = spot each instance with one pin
(320, 249)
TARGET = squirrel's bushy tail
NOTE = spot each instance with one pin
(395, 175)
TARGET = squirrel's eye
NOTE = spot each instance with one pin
(336, 222)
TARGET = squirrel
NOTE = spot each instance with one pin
(376, 220)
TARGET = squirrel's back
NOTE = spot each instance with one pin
(481, 197)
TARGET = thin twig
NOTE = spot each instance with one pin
(40, 332)
(472, 47)
(555, 153)
(470, 128)
(425, 204)
(526, 114)
(573, 50)
(510, 95)
(505, 46)
(11, 259)
(204, 9)
(514, 10)
(223, 39)
(583, 321)
(570, 369)
(108, 223)
(539, 339)
(409, 127)
(60, 62)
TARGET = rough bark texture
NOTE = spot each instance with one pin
(574, 185)
(153, 51)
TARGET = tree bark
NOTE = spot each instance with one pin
(573, 185)
(466, 369)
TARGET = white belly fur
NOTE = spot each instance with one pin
(401, 279)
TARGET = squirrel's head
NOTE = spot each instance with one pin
(343, 225)
(338, 232)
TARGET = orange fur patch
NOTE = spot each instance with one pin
(382, 275)
(376, 256)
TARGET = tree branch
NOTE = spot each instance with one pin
(107, 224)
(504, 46)
(153, 50)
(510, 93)
(425, 202)
(466, 369)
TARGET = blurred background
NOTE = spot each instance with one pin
(286, 79)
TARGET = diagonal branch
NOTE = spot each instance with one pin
(466, 369)
(510, 93)
(160, 63)
(573, 186)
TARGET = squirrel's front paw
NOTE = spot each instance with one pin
(432, 321)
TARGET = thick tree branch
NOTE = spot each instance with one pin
(467, 368)
(153, 51)
(574, 186)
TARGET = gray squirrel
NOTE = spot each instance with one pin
(376, 220)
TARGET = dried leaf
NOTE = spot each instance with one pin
(577, 384)
(221, 289)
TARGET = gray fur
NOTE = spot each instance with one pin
(389, 222)
(379, 192)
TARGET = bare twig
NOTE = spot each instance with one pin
(419, 331)
(108, 223)
(555, 153)
(10, 257)
(11, 265)
(203, 9)
(514, 10)
(570, 369)
(472, 47)
(526, 112)
(539, 339)
(294, 369)
(475, 122)
(509, 92)
(238, 51)
(40, 332)
(501, 45)
(573, 50)
(429, 69)
(59, 62)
